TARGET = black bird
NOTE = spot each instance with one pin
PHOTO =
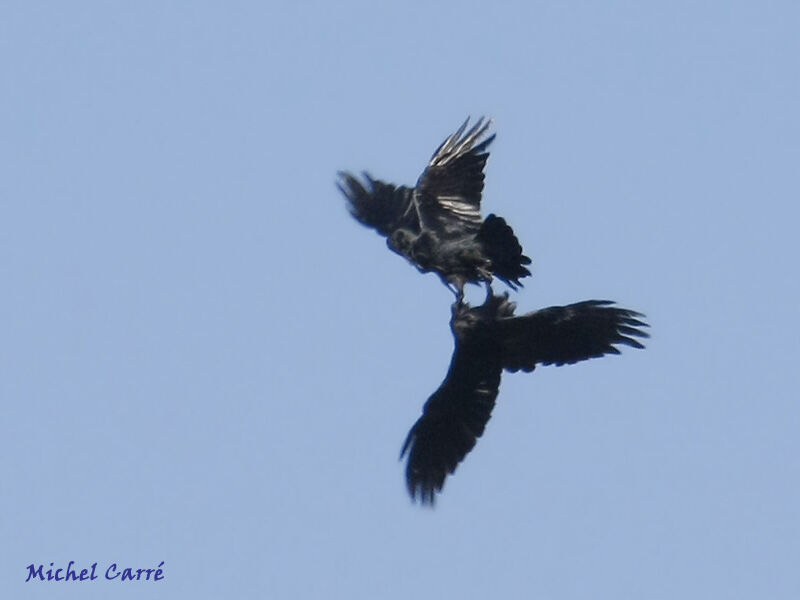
(488, 339)
(437, 225)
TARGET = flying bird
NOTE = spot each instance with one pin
(437, 225)
(488, 340)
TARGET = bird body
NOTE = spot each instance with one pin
(489, 339)
(437, 225)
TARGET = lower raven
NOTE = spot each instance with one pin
(437, 225)
(488, 340)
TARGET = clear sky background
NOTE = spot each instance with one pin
(205, 361)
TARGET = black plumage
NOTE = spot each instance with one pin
(489, 339)
(437, 225)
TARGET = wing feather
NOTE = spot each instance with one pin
(563, 335)
(453, 419)
(455, 415)
(448, 193)
(378, 205)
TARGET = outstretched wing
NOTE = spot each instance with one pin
(452, 420)
(377, 204)
(448, 193)
(562, 335)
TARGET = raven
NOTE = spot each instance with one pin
(488, 340)
(437, 225)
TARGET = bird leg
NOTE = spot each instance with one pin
(489, 292)
(459, 295)
(457, 287)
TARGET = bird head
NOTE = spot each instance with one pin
(465, 318)
(400, 241)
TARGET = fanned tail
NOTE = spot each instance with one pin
(504, 250)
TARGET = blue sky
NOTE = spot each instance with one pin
(204, 361)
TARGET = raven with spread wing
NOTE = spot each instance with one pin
(489, 339)
(437, 225)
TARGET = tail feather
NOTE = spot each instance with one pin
(504, 250)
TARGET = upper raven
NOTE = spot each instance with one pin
(488, 339)
(437, 225)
